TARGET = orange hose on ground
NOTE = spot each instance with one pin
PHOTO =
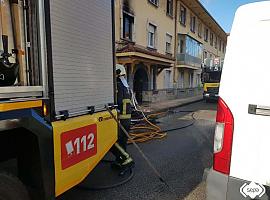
(149, 131)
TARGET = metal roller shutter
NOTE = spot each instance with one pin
(82, 53)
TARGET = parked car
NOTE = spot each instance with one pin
(241, 163)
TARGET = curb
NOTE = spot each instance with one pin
(205, 174)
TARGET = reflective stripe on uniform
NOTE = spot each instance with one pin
(128, 116)
(125, 102)
(123, 152)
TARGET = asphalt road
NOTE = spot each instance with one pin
(180, 158)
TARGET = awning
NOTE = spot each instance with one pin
(133, 57)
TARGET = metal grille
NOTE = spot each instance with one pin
(214, 90)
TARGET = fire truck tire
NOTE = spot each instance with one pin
(11, 188)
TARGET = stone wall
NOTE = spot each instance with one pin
(170, 94)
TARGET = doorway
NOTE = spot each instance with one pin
(140, 83)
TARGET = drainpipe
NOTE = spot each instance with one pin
(175, 45)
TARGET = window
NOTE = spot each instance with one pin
(181, 80)
(155, 2)
(190, 79)
(183, 14)
(128, 22)
(198, 80)
(151, 35)
(192, 23)
(206, 34)
(181, 47)
(200, 29)
(220, 41)
(168, 43)
(170, 7)
(167, 79)
(193, 47)
(211, 39)
(223, 47)
(216, 42)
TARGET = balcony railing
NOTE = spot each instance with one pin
(185, 59)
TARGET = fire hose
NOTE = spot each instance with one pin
(145, 130)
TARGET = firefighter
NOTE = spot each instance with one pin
(123, 159)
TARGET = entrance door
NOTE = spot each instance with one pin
(140, 84)
(191, 80)
(167, 79)
(181, 80)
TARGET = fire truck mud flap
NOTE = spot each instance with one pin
(79, 144)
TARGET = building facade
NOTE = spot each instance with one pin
(199, 37)
(162, 44)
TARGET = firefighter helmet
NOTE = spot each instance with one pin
(120, 70)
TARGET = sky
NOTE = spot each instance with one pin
(223, 10)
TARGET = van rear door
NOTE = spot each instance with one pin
(245, 87)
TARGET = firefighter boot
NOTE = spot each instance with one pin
(126, 166)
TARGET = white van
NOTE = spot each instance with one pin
(241, 165)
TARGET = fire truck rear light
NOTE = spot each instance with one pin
(45, 109)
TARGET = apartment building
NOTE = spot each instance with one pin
(162, 44)
(145, 43)
(199, 37)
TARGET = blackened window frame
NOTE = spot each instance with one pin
(131, 26)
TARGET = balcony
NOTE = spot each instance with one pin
(188, 61)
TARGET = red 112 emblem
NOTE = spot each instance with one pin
(78, 144)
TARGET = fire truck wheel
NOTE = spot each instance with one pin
(11, 188)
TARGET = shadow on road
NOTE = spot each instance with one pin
(180, 158)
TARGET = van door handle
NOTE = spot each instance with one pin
(259, 110)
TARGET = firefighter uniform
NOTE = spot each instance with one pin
(124, 107)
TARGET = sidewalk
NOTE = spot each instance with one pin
(165, 105)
